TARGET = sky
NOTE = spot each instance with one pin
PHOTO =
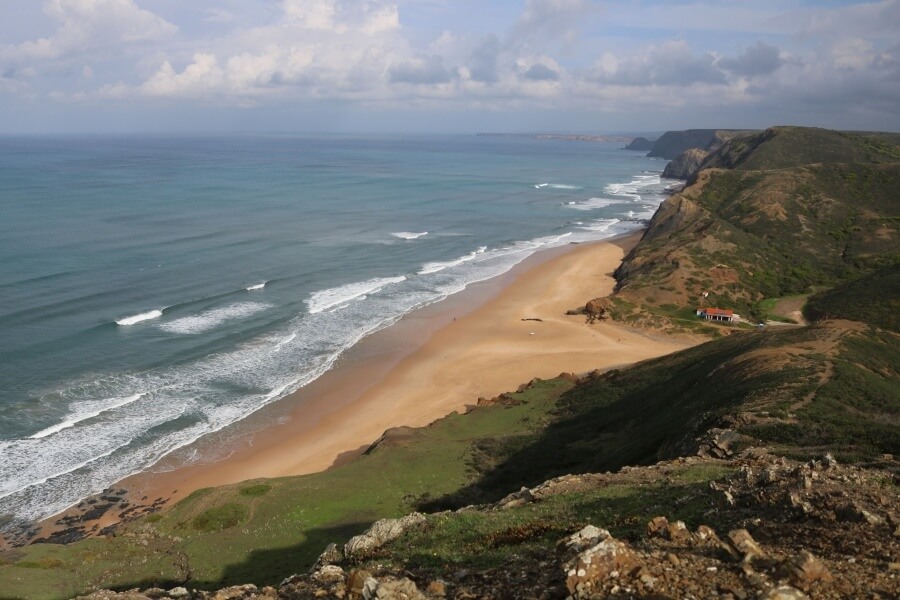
(440, 66)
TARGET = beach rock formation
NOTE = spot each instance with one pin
(640, 143)
(685, 164)
(596, 309)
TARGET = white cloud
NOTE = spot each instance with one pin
(853, 53)
(218, 15)
(202, 75)
(366, 53)
(670, 63)
(88, 25)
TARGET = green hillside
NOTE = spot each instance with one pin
(783, 147)
(873, 299)
(782, 220)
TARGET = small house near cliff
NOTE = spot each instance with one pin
(717, 314)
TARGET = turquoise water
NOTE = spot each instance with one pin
(153, 290)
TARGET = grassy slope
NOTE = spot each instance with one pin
(874, 299)
(789, 388)
(792, 212)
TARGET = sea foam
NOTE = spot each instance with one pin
(434, 267)
(325, 299)
(145, 316)
(557, 186)
(213, 318)
(593, 204)
(258, 286)
(409, 235)
(89, 412)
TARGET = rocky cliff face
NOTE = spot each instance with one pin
(685, 164)
(673, 143)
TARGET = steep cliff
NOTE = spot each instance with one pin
(673, 143)
(685, 164)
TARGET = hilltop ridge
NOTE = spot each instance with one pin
(759, 221)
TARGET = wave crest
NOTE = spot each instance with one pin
(145, 316)
(409, 235)
(325, 299)
(434, 267)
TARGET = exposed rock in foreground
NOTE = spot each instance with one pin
(685, 164)
(786, 530)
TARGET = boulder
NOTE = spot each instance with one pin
(381, 532)
(805, 569)
(598, 558)
(585, 538)
(111, 595)
(329, 556)
(329, 575)
(393, 589)
(595, 309)
(784, 592)
(520, 498)
(657, 527)
(741, 545)
(357, 580)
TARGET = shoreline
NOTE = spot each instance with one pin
(439, 359)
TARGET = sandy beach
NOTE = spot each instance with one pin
(479, 343)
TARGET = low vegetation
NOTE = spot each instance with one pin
(780, 213)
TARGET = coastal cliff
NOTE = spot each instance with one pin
(685, 164)
(759, 463)
(673, 143)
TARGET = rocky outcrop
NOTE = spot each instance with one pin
(381, 532)
(685, 164)
(640, 143)
(595, 559)
(789, 530)
(597, 309)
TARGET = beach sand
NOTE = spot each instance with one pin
(475, 344)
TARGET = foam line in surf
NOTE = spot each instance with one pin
(593, 204)
(144, 316)
(600, 225)
(257, 286)
(325, 299)
(556, 186)
(409, 235)
(434, 267)
(74, 419)
(212, 318)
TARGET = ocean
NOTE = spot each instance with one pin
(156, 289)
